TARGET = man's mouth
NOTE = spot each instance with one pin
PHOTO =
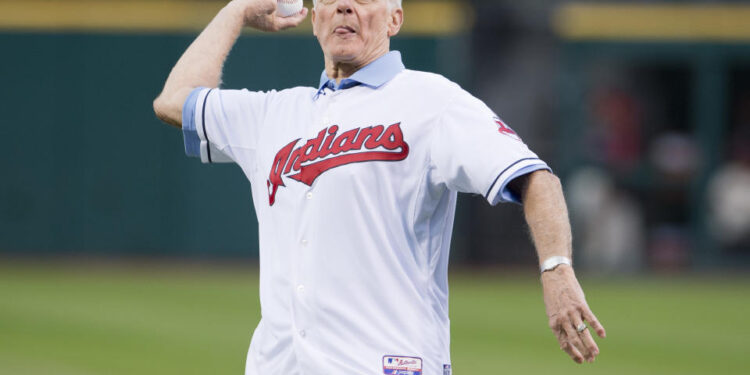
(344, 30)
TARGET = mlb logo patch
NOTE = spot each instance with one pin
(446, 369)
(400, 365)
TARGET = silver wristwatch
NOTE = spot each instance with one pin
(551, 263)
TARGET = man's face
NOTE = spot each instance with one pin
(355, 31)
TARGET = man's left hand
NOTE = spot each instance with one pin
(567, 309)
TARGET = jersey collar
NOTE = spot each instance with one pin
(372, 75)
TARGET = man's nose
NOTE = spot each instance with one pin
(344, 7)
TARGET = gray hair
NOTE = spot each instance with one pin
(396, 3)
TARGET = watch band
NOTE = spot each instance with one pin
(551, 263)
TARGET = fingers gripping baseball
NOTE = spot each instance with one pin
(263, 15)
(291, 21)
(568, 311)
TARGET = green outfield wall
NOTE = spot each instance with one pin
(87, 168)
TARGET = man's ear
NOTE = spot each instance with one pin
(397, 19)
(315, 32)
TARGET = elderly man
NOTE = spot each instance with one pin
(354, 184)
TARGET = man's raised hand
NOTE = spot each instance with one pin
(262, 15)
(202, 62)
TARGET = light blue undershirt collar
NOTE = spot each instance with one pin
(373, 75)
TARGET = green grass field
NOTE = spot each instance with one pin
(198, 320)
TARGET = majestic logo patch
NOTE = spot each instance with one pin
(396, 365)
(330, 150)
(503, 128)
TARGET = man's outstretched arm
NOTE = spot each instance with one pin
(202, 62)
(547, 217)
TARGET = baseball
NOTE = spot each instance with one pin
(286, 8)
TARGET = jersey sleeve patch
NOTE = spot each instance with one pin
(504, 129)
(401, 365)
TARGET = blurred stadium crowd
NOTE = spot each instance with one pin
(653, 183)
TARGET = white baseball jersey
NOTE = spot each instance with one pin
(355, 190)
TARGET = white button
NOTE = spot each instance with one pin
(302, 333)
(304, 242)
(301, 289)
(309, 195)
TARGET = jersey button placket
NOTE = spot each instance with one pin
(302, 292)
(299, 305)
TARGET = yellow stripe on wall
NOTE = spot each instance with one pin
(421, 17)
(694, 22)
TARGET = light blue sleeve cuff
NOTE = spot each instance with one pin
(189, 133)
(506, 194)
